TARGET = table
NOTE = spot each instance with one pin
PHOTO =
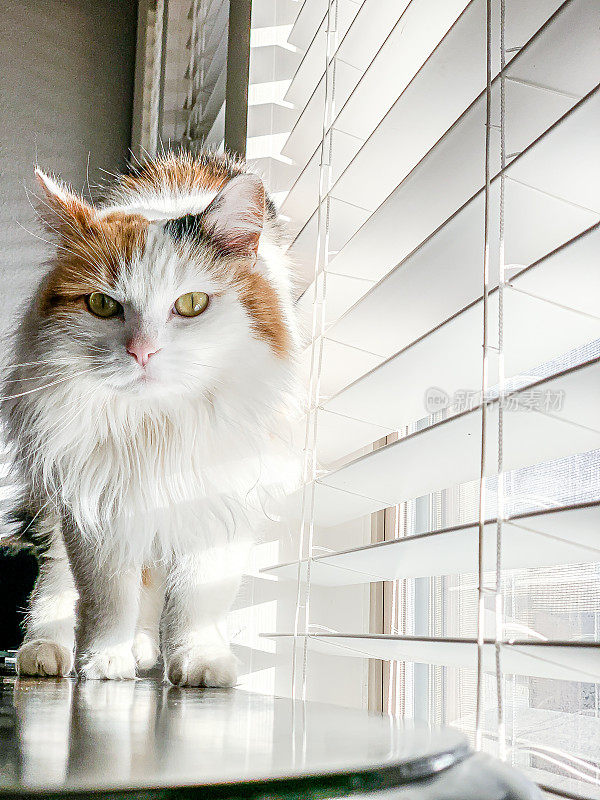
(145, 740)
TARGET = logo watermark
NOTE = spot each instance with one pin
(544, 401)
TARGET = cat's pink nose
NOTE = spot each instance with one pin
(141, 351)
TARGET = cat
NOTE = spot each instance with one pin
(154, 377)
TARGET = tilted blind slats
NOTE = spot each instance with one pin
(395, 152)
(427, 108)
(310, 70)
(366, 95)
(442, 183)
(543, 539)
(550, 224)
(526, 309)
(427, 460)
(404, 50)
(217, 62)
(562, 661)
(194, 69)
(434, 292)
(306, 23)
(394, 393)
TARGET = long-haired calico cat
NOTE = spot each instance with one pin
(153, 370)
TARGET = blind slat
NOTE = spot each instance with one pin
(559, 295)
(451, 175)
(561, 661)
(307, 23)
(310, 70)
(436, 97)
(402, 53)
(561, 536)
(404, 216)
(448, 453)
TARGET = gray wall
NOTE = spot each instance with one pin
(66, 91)
(66, 85)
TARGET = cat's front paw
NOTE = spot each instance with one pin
(145, 650)
(115, 663)
(202, 666)
(44, 657)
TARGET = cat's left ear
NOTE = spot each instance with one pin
(235, 217)
(62, 209)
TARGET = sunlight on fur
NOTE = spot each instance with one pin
(147, 409)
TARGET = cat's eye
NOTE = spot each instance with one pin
(102, 305)
(191, 304)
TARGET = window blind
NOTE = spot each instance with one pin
(437, 162)
(194, 72)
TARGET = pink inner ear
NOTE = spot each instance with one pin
(236, 215)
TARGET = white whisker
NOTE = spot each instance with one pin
(48, 385)
(28, 377)
(35, 363)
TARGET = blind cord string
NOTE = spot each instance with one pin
(192, 67)
(306, 536)
(499, 605)
(484, 385)
(332, 27)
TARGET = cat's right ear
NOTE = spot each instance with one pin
(62, 210)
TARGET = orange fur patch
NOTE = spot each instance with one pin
(146, 577)
(90, 254)
(181, 172)
(261, 300)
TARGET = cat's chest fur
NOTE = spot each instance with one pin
(163, 481)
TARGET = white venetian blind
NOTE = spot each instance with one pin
(438, 162)
(194, 73)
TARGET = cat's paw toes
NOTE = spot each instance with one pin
(145, 650)
(44, 657)
(115, 663)
(197, 666)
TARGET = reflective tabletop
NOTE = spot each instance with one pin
(64, 735)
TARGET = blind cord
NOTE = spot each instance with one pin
(192, 65)
(484, 386)
(499, 605)
(316, 363)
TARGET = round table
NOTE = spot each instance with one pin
(143, 739)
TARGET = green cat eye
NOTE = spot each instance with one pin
(191, 304)
(101, 305)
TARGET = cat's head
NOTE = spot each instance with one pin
(162, 307)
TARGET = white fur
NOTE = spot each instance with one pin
(171, 473)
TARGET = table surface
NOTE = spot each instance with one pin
(69, 735)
